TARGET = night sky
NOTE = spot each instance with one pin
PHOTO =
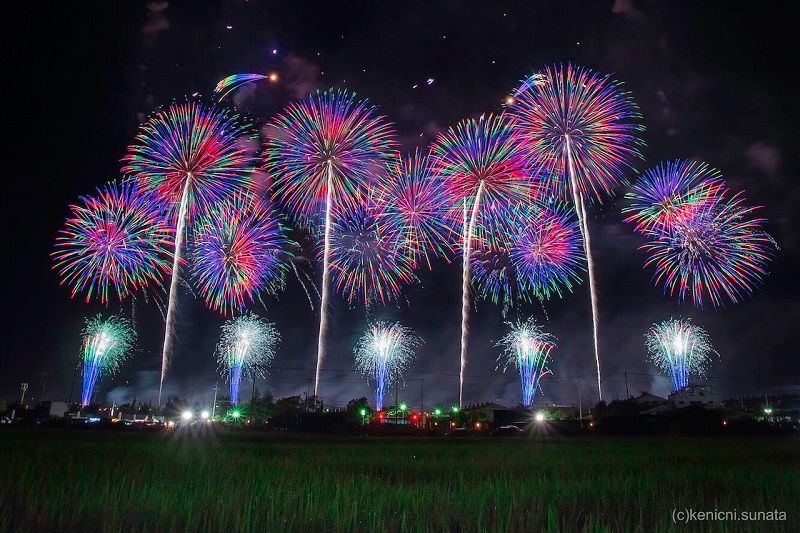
(714, 82)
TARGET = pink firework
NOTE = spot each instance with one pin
(116, 241)
(410, 202)
(239, 252)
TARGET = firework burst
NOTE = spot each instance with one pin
(715, 251)
(547, 250)
(247, 345)
(679, 348)
(411, 202)
(527, 347)
(671, 191)
(581, 130)
(322, 153)
(239, 251)
(481, 163)
(383, 353)
(106, 342)
(191, 157)
(114, 242)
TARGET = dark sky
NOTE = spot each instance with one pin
(714, 82)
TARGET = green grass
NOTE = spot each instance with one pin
(57, 480)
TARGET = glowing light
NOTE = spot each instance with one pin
(383, 353)
(116, 241)
(527, 347)
(247, 344)
(540, 417)
(679, 348)
(106, 342)
(273, 77)
(187, 415)
(205, 415)
(322, 153)
(239, 252)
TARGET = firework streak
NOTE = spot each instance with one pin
(322, 153)
(581, 130)
(191, 157)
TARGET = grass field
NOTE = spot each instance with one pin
(94, 481)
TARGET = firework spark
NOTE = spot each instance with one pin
(106, 342)
(233, 82)
(114, 241)
(247, 345)
(715, 251)
(527, 347)
(680, 348)
(411, 202)
(191, 157)
(367, 259)
(383, 352)
(322, 152)
(581, 130)
(480, 163)
(240, 251)
(671, 191)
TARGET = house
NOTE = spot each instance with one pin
(647, 403)
(695, 395)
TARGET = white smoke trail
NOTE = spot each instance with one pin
(465, 288)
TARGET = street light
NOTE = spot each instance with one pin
(187, 415)
(437, 412)
(539, 417)
(768, 410)
(204, 415)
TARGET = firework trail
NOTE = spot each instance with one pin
(527, 347)
(116, 240)
(190, 156)
(670, 192)
(480, 163)
(240, 251)
(679, 348)
(106, 342)
(233, 82)
(581, 130)
(383, 352)
(367, 259)
(716, 251)
(411, 202)
(247, 344)
(547, 250)
(322, 152)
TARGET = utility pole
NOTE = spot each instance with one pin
(22, 388)
(72, 386)
(214, 406)
(422, 395)
(580, 400)
(396, 405)
(253, 398)
(627, 394)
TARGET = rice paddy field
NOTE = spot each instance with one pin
(57, 480)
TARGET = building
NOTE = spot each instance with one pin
(649, 403)
(695, 395)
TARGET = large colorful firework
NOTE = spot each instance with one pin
(527, 347)
(671, 191)
(680, 348)
(481, 163)
(247, 345)
(116, 241)
(322, 153)
(410, 201)
(716, 251)
(239, 252)
(383, 352)
(367, 259)
(581, 130)
(547, 250)
(106, 342)
(191, 156)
